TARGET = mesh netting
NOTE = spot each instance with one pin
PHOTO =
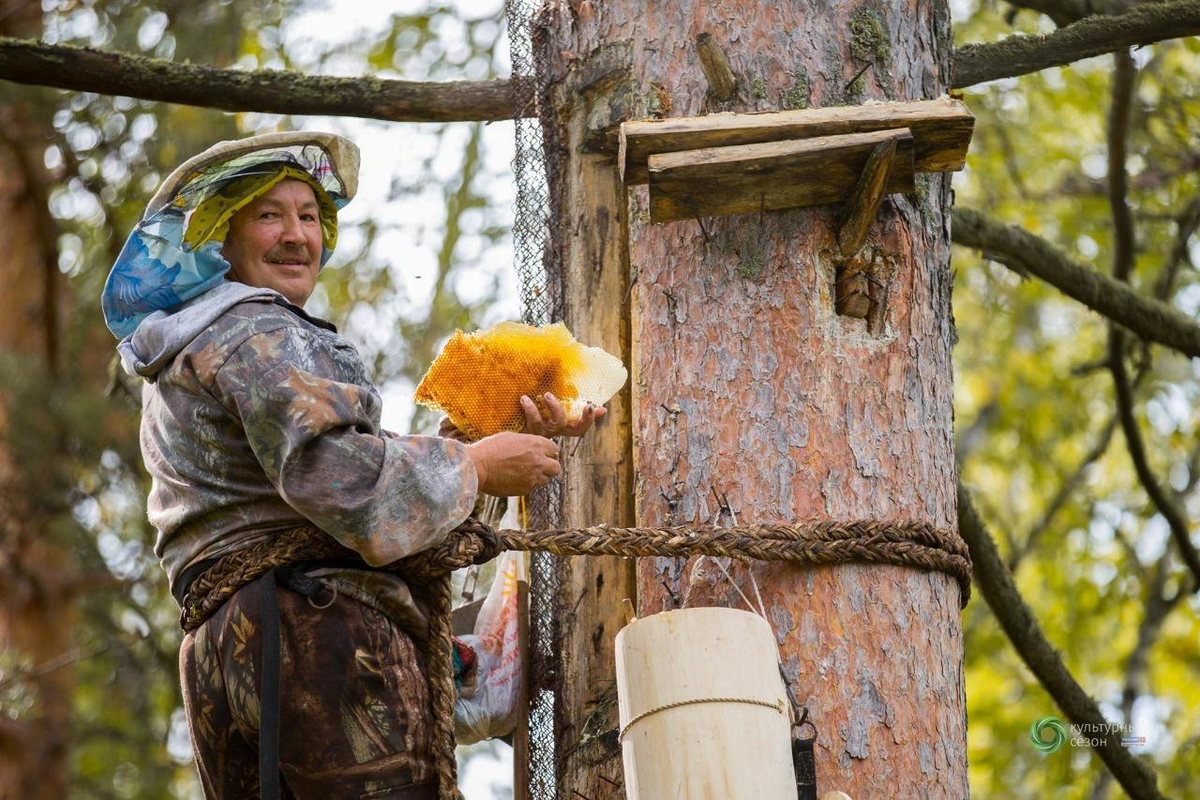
(541, 299)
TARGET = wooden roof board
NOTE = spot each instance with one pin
(770, 176)
(941, 131)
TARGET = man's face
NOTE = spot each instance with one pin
(275, 241)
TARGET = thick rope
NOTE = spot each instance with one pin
(909, 544)
(439, 667)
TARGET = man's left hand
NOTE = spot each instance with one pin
(556, 423)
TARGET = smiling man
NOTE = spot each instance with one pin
(260, 422)
(275, 241)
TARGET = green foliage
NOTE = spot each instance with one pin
(75, 443)
(1032, 398)
(411, 268)
(75, 446)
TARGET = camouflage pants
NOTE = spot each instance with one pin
(354, 708)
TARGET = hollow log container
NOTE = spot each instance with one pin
(702, 707)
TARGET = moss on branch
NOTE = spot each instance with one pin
(1092, 36)
(269, 91)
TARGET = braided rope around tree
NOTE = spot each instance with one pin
(908, 544)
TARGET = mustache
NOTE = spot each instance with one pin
(289, 253)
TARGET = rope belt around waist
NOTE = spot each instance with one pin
(908, 544)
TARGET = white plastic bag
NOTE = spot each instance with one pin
(491, 708)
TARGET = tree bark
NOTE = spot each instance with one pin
(747, 384)
(590, 207)
(36, 601)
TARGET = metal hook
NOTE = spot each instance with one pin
(804, 720)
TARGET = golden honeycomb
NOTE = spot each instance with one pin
(478, 378)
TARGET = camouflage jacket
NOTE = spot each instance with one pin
(258, 418)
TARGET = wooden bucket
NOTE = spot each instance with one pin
(703, 709)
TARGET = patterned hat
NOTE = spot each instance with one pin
(174, 252)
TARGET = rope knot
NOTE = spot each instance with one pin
(472, 542)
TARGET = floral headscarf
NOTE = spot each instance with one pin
(174, 252)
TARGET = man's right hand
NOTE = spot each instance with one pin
(514, 463)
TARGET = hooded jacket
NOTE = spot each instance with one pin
(258, 418)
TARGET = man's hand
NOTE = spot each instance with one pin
(557, 424)
(448, 430)
(514, 463)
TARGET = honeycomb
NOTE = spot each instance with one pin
(478, 378)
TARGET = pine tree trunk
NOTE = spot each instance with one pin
(35, 604)
(748, 384)
(35, 577)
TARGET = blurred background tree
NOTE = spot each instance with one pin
(1037, 431)
(89, 702)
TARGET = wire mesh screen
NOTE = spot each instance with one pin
(541, 301)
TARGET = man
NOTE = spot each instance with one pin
(258, 420)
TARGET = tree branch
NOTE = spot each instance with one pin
(1124, 73)
(1154, 176)
(1187, 220)
(271, 91)
(60, 661)
(1092, 36)
(84, 69)
(1064, 12)
(1123, 263)
(1193, 472)
(1158, 606)
(968, 437)
(996, 585)
(14, 736)
(1061, 497)
(1020, 250)
(1137, 454)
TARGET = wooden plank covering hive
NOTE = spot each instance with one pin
(771, 176)
(739, 163)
